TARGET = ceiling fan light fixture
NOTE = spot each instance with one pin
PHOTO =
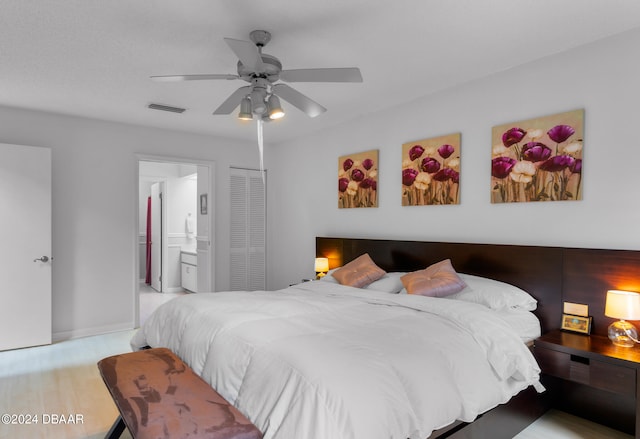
(263, 72)
(275, 110)
(245, 109)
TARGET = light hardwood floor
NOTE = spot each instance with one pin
(150, 299)
(559, 425)
(59, 380)
(63, 379)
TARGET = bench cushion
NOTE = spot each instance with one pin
(159, 396)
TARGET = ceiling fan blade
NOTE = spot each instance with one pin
(247, 52)
(346, 74)
(298, 100)
(233, 101)
(176, 78)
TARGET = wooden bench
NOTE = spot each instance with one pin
(159, 396)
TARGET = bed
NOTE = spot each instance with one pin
(307, 361)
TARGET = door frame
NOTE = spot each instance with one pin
(210, 165)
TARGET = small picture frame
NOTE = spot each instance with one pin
(579, 324)
(203, 204)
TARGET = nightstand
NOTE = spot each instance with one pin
(588, 376)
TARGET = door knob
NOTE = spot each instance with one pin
(42, 259)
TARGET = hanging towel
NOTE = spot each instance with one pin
(190, 224)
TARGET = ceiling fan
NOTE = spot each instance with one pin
(263, 72)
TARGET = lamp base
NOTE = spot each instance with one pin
(623, 333)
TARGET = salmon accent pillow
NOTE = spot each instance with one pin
(359, 273)
(437, 280)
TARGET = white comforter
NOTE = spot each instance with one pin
(321, 360)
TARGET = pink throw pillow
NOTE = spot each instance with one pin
(359, 273)
(437, 280)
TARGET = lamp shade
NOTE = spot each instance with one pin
(322, 265)
(274, 108)
(245, 109)
(623, 305)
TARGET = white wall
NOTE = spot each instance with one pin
(95, 228)
(603, 78)
(183, 195)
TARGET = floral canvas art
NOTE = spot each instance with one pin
(358, 180)
(538, 159)
(431, 171)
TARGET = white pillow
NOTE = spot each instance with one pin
(328, 278)
(494, 294)
(389, 283)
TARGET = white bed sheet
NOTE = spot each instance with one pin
(321, 360)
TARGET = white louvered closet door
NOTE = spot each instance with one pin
(248, 229)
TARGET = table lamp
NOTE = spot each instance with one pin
(322, 266)
(623, 305)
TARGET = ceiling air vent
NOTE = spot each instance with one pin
(166, 108)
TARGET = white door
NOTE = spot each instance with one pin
(156, 236)
(248, 230)
(25, 233)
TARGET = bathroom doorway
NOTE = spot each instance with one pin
(175, 215)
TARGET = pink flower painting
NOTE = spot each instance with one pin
(358, 180)
(538, 159)
(431, 171)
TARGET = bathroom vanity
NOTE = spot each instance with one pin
(189, 265)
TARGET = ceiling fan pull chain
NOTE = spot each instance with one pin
(261, 149)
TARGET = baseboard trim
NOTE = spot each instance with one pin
(89, 332)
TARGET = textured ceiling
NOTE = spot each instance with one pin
(93, 58)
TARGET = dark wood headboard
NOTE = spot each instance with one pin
(550, 274)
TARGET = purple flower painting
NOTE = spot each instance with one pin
(358, 180)
(538, 159)
(431, 171)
